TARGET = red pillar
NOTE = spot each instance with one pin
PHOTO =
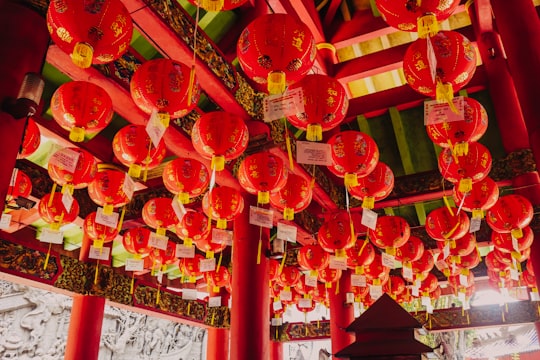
(86, 321)
(276, 350)
(250, 313)
(217, 347)
(25, 40)
(341, 314)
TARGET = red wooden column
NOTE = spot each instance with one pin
(276, 350)
(341, 314)
(217, 347)
(24, 42)
(86, 321)
(250, 313)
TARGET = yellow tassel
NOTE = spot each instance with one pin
(445, 92)
(337, 287)
(219, 261)
(132, 283)
(134, 170)
(282, 264)
(259, 249)
(351, 179)
(191, 84)
(221, 224)
(53, 191)
(108, 209)
(288, 145)
(446, 201)
(427, 25)
(82, 55)
(478, 214)
(158, 295)
(517, 233)
(276, 82)
(218, 162)
(212, 5)
(96, 272)
(183, 197)
(212, 319)
(188, 308)
(314, 132)
(47, 257)
(452, 231)
(465, 185)
(263, 197)
(363, 247)
(288, 213)
(368, 202)
(77, 134)
(461, 149)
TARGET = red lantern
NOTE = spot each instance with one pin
(31, 139)
(376, 270)
(205, 244)
(446, 223)
(191, 266)
(80, 175)
(469, 261)
(423, 265)
(354, 155)
(529, 279)
(362, 253)
(164, 257)
(221, 277)
(510, 258)
(220, 136)
(273, 269)
(407, 15)
(289, 276)
(21, 186)
(223, 204)
(261, 173)
(82, 108)
(96, 231)
(218, 5)
(329, 276)
(412, 250)
(313, 257)
(459, 247)
(137, 241)
(458, 134)
(134, 148)
(303, 308)
(192, 226)
(293, 197)
(276, 50)
(186, 178)
(394, 286)
(511, 213)
(429, 283)
(335, 234)
(375, 186)
(90, 32)
(504, 243)
(482, 196)
(456, 282)
(163, 86)
(54, 212)
(159, 214)
(108, 189)
(465, 169)
(455, 64)
(325, 105)
(391, 232)
(495, 264)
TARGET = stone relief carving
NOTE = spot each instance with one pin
(34, 325)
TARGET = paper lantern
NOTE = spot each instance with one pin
(391, 232)
(482, 196)
(108, 189)
(97, 231)
(375, 186)
(220, 136)
(187, 178)
(276, 49)
(223, 204)
(446, 223)
(31, 139)
(192, 226)
(421, 16)
(206, 245)
(159, 214)
(221, 277)
(429, 283)
(495, 264)
(335, 234)
(191, 266)
(293, 197)
(136, 241)
(165, 256)
(312, 257)
(504, 243)
(77, 177)
(528, 279)
(362, 253)
(455, 65)
(95, 32)
(412, 250)
(54, 212)
(424, 264)
(459, 247)
(464, 170)
(329, 276)
(376, 270)
(289, 276)
(163, 86)
(218, 5)
(325, 105)
(262, 173)
(133, 147)
(394, 286)
(273, 269)
(20, 186)
(457, 134)
(82, 108)
(511, 258)
(354, 155)
(511, 213)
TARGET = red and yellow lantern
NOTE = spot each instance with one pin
(482, 196)
(375, 186)
(97, 231)
(193, 226)
(31, 139)
(262, 173)
(313, 257)
(293, 197)
(223, 204)
(391, 232)
(52, 210)
(83, 173)
(447, 223)
(136, 241)
(159, 214)
(186, 178)
(511, 213)
(108, 189)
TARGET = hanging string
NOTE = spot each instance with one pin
(47, 257)
(192, 71)
(96, 272)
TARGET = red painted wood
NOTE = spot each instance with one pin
(341, 314)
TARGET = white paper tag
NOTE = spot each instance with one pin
(278, 246)
(515, 243)
(339, 263)
(49, 235)
(178, 208)
(407, 272)
(101, 253)
(67, 200)
(426, 300)
(183, 251)
(466, 305)
(5, 221)
(277, 321)
(436, 112)
(261, 217)
(286, 232)
(432, 59)
(285, 295)
(134, 265)
(277, 305)
(189, 294)
(206, 265)
(158, 241)
(388, 260)
(446, 250)
(304, 303)
(358, 280)
(13, 179)
(375, 291)
(429, 308)
(514, 274)
(159, 276)
(222, 236)
(129, 186)
(310, 281)
(461, 296)
(283, 105)
(535, 296)
(155, 128)
(313, 153)
(415, 291)
(107, 220)
(475, 224)
(349, 298)
(463, 280)
(66, 159)
(369, 218)
(214, 301)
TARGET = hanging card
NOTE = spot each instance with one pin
(214, 301)
(283, 105)
(183, 251)
(358, 280)
(261, 217)
(304, 303)
(369, 218)
(189, 294)
(99, 253)
(49, 235)
(337, 262)
(134, 265)
(107, 220)
(158, 241)
(313, 153)
(436, 112)
(5, 221)
(155, 128)
(286, 232)
(66, 159)
(222, 236)
(206, 265)
(67, 200)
